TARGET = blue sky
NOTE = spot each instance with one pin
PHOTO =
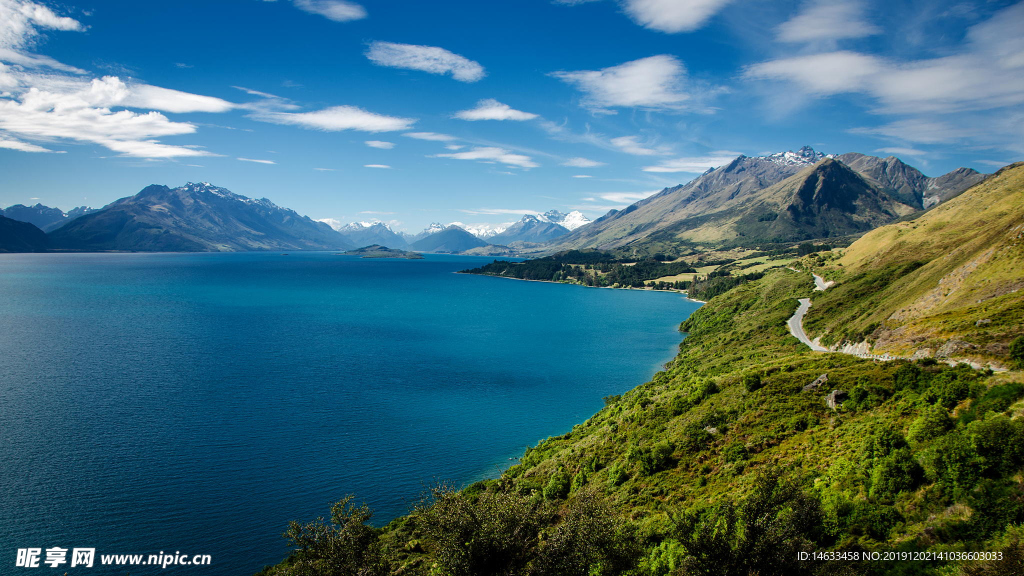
(411, 112)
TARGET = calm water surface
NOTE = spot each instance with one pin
(198, 402)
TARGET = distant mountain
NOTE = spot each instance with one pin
(195, 218)
(570, 221)
(433, 228)
(17, 236)
(44, 217)
(368, 233)
(906, 183)
(530, 229)
(735, 204)
(451, 240)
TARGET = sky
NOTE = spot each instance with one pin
(411, 112)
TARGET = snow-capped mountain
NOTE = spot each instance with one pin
(368, 233)
(570, 221)
(483, 230)
(803, 157)
(533, 229)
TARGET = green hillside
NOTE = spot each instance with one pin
(946, 283)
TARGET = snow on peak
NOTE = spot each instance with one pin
(570, 221)
(434, 228)
(483, 231)
(804, 156)
(574, 220)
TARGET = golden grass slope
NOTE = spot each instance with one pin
(947, 283)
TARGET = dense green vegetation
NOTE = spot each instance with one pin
(589, 268)
(724, 464)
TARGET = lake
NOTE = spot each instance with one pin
(198, 402)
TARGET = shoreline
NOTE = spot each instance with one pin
(683, 292)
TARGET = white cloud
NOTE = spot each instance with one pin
(337, 10)
(696, 164)
(673, 15)
(491, 109)
(430, 59)
(821, 74)
(902, 151)
(625, 197)
(631, 145)
(582, 176)
(493, 154)
(324, 169)
(432, 136)
(83, 113)
(12, 144)
(454, 147)
(338, 118)
(380, 144)
(21, 20)
(157, 98)
(385, 166)
(829, 21)
(582, 163)
(987, 73)
(654, 83)
(257, 161)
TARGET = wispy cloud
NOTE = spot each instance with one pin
(384, 166)
(582, 163)
(12, 144)
(626, 197)
(491, 109)
(582, 176)
(430, 59)
(338, 118)
(324, 169)
(632, 145)
(432, 136)
(337, 10)
(836, 20)
(257, 161)
(653, 83)
(902, 151)
(380, 144)
(694, 164)
(492, 154)
(986, 73)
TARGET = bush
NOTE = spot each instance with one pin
(1017, 351)
(752, 382)
(933, 422)
(557, 487)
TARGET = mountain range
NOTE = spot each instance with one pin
(45, 218)
(785, 197)
(752, 201)
(195, 218)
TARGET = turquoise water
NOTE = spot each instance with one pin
(198, 402)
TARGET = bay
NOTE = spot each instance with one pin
(196, 403)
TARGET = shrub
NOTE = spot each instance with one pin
(557, 487)
(1017, 351)
(752, 382)
(933, 422)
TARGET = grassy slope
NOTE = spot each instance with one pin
(953, 273)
